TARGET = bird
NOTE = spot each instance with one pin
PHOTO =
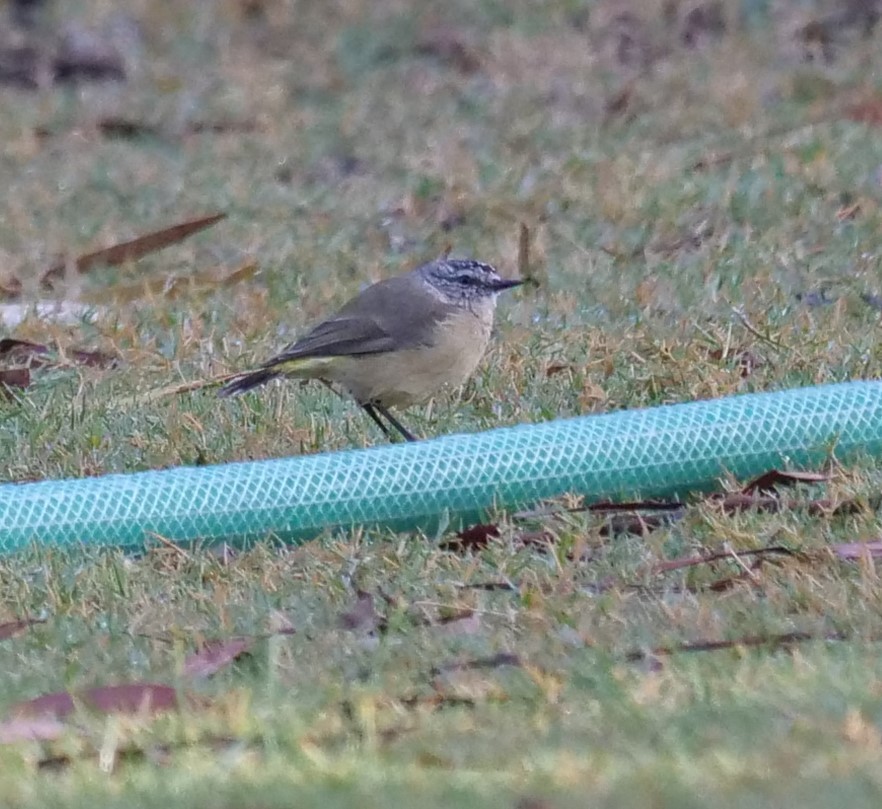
(398, 342)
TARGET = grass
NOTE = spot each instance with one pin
(385, 131)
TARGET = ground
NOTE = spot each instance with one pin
(701, 188)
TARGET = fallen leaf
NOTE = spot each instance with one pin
(532, 802)
(768, 482)
(728, 582)
(10, 287)
(108, 699)
(450, 46)
(474, 537)
(89, 55)
(815, 298)
(774, 641)
(639, 505)
(867, 111)
(717, 556)
(126, 129)
(848, 212)
(617, 104)
(214, 656)
(12, 628)
(225, 127)
(747, 361)
(854, 551)
(704, 22)
(638, 525)
(558, 367)
(281, 624)
(22, 352)
(93, 359)
(23, 66)
(14, 378)
(490, 586)
(493, 662)
(132, 250)
(467, 622)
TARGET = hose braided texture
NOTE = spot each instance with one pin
(654, 452)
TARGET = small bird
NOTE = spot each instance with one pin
(399, 341)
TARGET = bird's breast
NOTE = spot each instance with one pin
(403, 378)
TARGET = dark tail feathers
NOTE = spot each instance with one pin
(247, 382)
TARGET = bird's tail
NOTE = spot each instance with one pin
(247, 382)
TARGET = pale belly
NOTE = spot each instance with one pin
(409, 377)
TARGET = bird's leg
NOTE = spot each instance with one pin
(405, 433)
(375, 410)
(369, 409)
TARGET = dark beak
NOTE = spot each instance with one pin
(506, 283)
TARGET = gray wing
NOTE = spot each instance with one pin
(395, 314)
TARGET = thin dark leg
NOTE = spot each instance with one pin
(405, 434)
(369, 409)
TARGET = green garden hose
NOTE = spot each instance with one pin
(655, 452)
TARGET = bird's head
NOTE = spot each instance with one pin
(463, 280)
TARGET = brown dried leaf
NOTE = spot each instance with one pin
(93, 359)
(33, 355)
(10, 287)
(533, 802)
(126, 129)
(704, 22)
(14, 378)
(467, 622)
(773, 641)
(618, 103)
(450, 46)
(867, 111)
(768, 482)
(474, 537)
(108, 699)
(708, 558)
(132, 250)
(638, 505)
(216, 655)
(225, 127)
(555, 368)
(23, 66)
(22, 352)
(637, 525)
(747, 360)
(89, 55)
(481, 663)
(12, 628)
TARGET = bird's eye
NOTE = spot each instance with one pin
(465, 278)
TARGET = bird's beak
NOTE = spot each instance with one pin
(506, 283)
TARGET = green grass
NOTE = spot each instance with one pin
(377, 145)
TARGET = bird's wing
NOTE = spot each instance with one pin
(391, 315)
(340, 336)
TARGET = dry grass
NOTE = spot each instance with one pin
(663, 185)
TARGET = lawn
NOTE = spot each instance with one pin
(701, 187)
